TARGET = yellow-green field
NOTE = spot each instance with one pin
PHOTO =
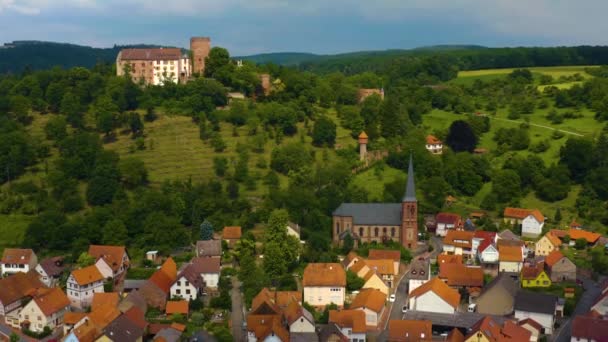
(551, 71)
(12, 230)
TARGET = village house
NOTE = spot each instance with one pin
(386, 254)
(434, 145)
(533, 327)
(419, 273)
(82, 284)
(50, 270)
(534, 275)
(324, 283)
(461, 276)
(559, 267)
(14, 291)
(489, 330)
(351, 323)
(449, 259)
(209, 269)
(384, 268)
(46, 309)
(434, 296)
(446, 222)
(458, 242)
(158, 287)
(547, 244)
(589, 329)
(510, 258)
(371, 279)
(576, 234)
(531, 221)
(498, 297)
(231, 235)
(15, 260)
(480, 237)
(488, 256)
(189, 284)
(538, 306)
(122, 329)
(298, 319)
(455, 336)
(209, 248)
(400, 330)
(177, 307)
(111, 261)
(372, 303)
(364, 93)
(293, 229)
(266, 328)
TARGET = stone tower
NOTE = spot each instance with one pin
(409, 211)
(362, 146)
(200, 47)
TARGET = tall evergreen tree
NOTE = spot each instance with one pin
(206, 230)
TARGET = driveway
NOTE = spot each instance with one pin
(592, 292)
(236, 315)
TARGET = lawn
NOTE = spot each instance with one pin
(12, 230)
(373, 180)
(551, 71)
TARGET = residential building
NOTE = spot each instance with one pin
(364, 93)
(82, 284)
(449, 259)
(50, 270)
(293, 229)
(350, 322)
(177, 307)
(189, 284)
(559, 267)
(510, 258)
(600, 307)
(547, 244)
(46, 309)
(231, 235)
(434, 145)
(458, 242)
(154, 66)
(298, 319)
(489, 330)
(400, 330)
(266, 328)
(455, 336)
(589, 329)
(111, 261)
(122, 329)
(385, 268)
(371, 279)
(386, 254)
(576, 234)
(446, 222)
(537, 306)
(209, 248)
(531, 221)
(15, 260)
(507, 235)
(481, 236)
(461, 276)
(488, 256)
(498, 296)
(418, 274)
(209, 269)
(350, 260)
(533, 327)
(274, 301)
(324, 283)
(371, 302)
(158, 287)
(534, 275)
(367, 222)
(14, 291)
(434, 296)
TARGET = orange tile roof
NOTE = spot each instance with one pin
(372, 299)
(275, 300)
(513, 332)
(51, 301)
(410, 330)
(138, 317)
(532, 323)
(73, 317)
(17, 256)
(324, 274)
(517, 213)
(375, 254)
(18, 286)
(112, 255)
(103, 316)
(455, 336)
(86, 332)
(576, 234)
(165, 276)
(232, 233)
(538, 215)
(553, 257)
(358, 266)
(382, 266)
(264, 325)
(150, 54)
(294, 311)
(497, 333)
(510, 253)
(352, 255)
(354, 319)
(178, 327)
(461, 275)
(103, 298)
(555, 241)
(432, 140)
(449, 259)
(441, 289)
(531, 272)
(459, 238)
(177, 307)
(87, 275)
(363, 135)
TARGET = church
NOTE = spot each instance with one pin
(367, 222)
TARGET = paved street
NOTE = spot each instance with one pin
(237, 311)
(592, 292)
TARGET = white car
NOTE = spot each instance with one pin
(404, 309)
(391, 298)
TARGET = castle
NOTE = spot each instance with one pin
(162, 65)
(367, 222)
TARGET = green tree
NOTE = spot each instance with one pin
(206, 231)
(70, 107)
(218, 143)
(218, 58)
(135, 124)
(292, 156)
(20, 108)
(506, 185)
(276, 227)
(461, 137)
(55, 128)
(133, 172)
(558, 215)
(324, 132)
(580, 243)
(115, 233)
(577, 155)
(85, 259)
(353, 282)
(105, 123)
(220, 165)
(275, 265)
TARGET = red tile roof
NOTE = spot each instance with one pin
(482, 234)
(324, 274)
(112, 255)
(510, 253)
(553, 257)
(590, 328)
(410, 330)
(532, 323)
(354, 319)
(531, 272)
(372, 299)
(51, 301)
(17, 256)
(517, 213)
(432, 140)
(461, 275)
(455, 336)
(150, 54)
(18, 286)
(177, 307)
(384, 254)
(493, 332)
(165, 276)
(437, 286)
(484, 244)
(231, 233)
(448, 218)
(87, 275)
(138, 317)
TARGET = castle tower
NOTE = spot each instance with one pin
(200, 47)
(362, 146)
(409, 211)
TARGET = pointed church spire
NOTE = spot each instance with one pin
(410, 190)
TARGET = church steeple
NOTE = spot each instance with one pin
(410, 189)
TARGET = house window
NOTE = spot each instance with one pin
(301, 320)
(188, 291)
(178, 291)
(393, 232)
(187, 283)
(376, 232)
(179, 283)
(338, 227)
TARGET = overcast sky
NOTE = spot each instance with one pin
(319, 26)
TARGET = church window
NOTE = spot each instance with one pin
(376, 232)
(393, 232)
(360, 231)
(384, 230)
(338, 227)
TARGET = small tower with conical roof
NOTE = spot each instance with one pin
(409, 211)
(363, 146)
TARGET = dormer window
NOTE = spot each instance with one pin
(414, 272)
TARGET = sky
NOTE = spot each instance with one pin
(319, 26)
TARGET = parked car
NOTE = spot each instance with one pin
(472, 307)
(392, 298)
(404, 309)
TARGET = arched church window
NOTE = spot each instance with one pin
(338, 227)
(361, 231)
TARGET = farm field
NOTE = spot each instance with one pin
(12, 230)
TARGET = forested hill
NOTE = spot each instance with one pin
(36, 55)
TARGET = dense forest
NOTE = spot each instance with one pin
(79, 192)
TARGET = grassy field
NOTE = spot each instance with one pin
(12, 230)
(373, 181)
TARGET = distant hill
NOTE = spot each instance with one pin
(281, 58)
(36, 55)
